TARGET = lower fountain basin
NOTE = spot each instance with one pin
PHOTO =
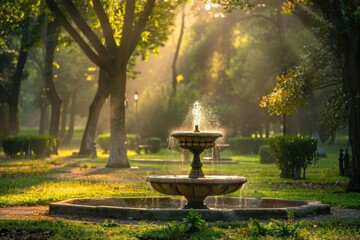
(170, 209)
(196, 190)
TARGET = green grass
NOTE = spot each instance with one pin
(61, 229)
(40, 181)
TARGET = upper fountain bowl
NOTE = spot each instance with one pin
(196, 140)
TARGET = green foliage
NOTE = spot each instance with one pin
(291, 152)
(243, 145)
(285, 229)
(154, 143)
(288, 95)
(40, 145)
(276, 228)
(193, 221)
(191, 224)
(334, 113)
(132, 141)
(104, 141)
(265, 155)
(175, 231)
(257, 228)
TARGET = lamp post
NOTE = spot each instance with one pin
(126, 102)
(136, 99)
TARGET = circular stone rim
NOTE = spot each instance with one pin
(210, 179)
(196, 134)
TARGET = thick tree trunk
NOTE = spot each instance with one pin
(52, 31)
(70, 133)
(351, 81)
(64, 115)
(102, 93)
(4, 130)
(44, 117)
(15, 90)
(118, 155)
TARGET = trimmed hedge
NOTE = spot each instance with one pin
(265, 155)
(293, 153)
(154, 143)
(246, 145)
(103, 140)
(26, 145)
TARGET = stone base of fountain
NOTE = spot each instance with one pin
(225, 209)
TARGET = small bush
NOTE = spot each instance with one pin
(154, 143)
(193, 221)
(132, 140)
(276, 228)
(292, 152)
(103, 140)
(242, 145)
(265, 154)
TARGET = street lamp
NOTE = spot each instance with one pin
(126, 102)
(136, 99)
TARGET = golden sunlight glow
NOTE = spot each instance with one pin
(240, 40)
(208, 5)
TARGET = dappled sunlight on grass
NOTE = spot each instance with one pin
(41, 181)
(49, 191)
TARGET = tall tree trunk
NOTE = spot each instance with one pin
(15, 90)
(118, 154)
(44, 117)
(102, 93)
(64, 115)
(351, 80)
(177, 50)
(4, 130)
(52, 32)
(70, 133)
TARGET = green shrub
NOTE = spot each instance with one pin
(242, 145)
(103, 140)
(292, 152)
(154, 143)
(193, 221)
(132, 141)
(39, 145)
(265, 154)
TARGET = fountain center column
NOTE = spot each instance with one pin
(196, 165)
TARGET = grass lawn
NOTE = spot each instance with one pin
(27, 182)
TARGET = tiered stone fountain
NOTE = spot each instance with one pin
(196, 186)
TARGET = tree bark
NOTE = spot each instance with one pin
(177, 50)
(118, 153)
(89, 134)
(64, 115)
(70, 133)
(15, 90)
(52, 31)
(351, 83)
(44, 117)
